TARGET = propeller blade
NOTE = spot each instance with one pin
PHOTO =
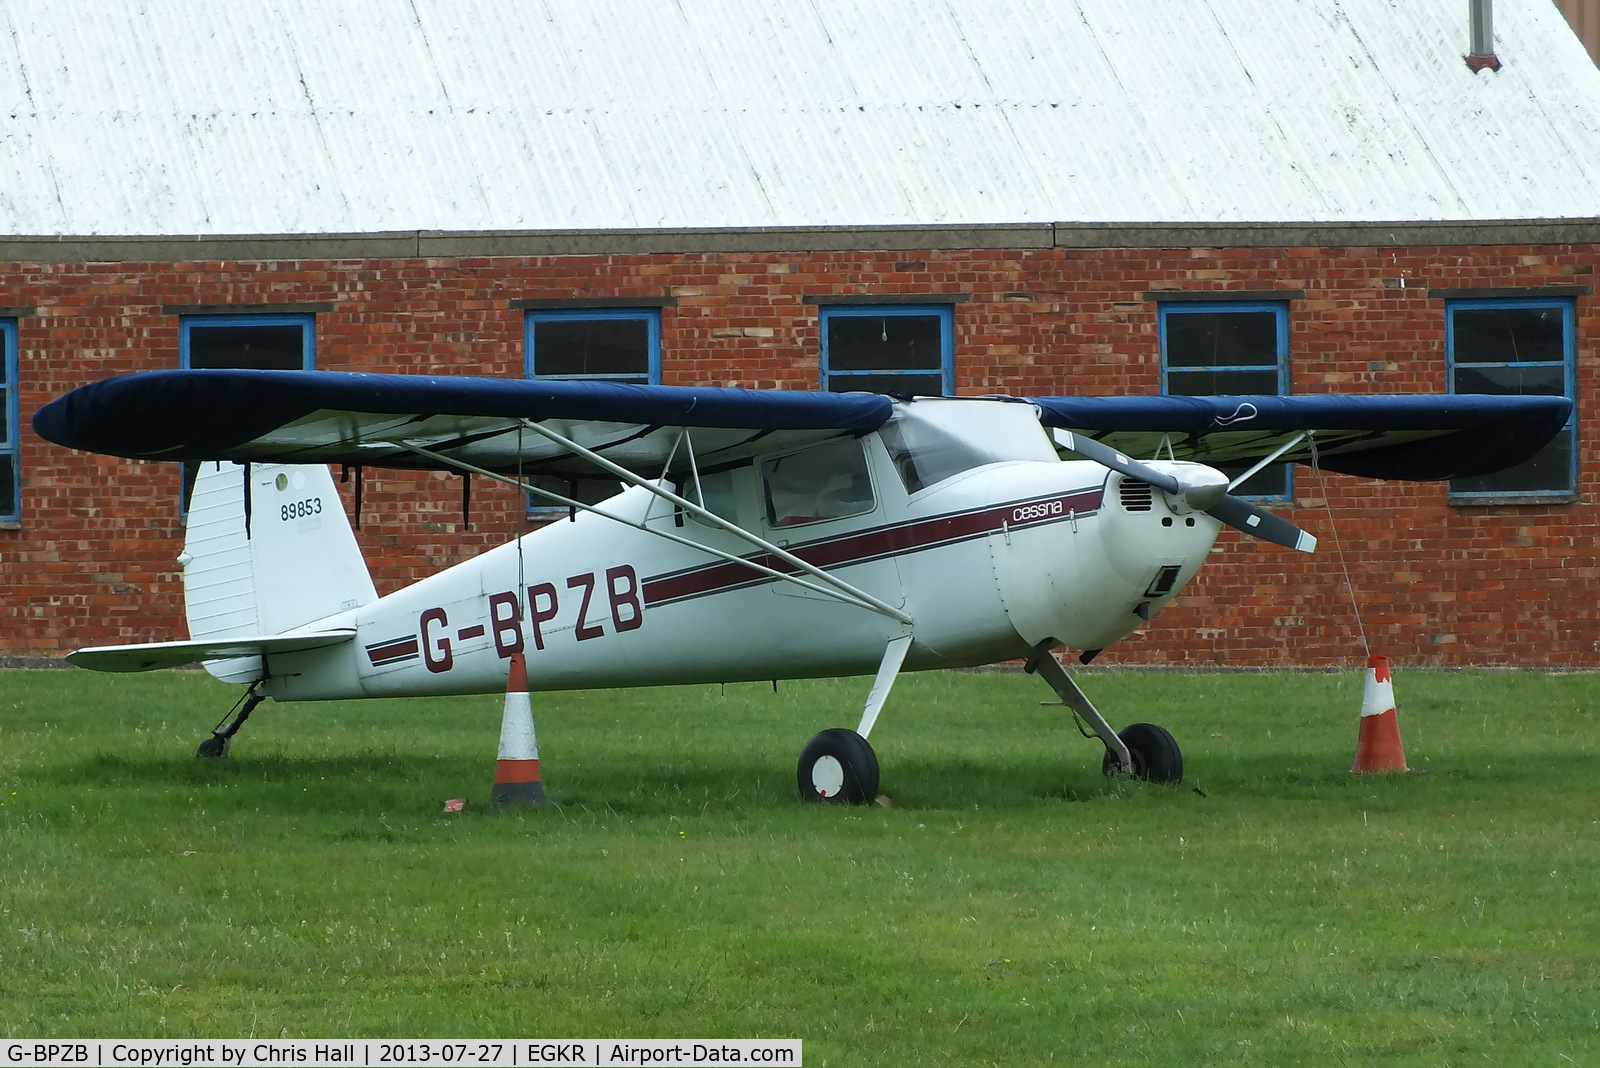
(1230, 510)
(1106, 456)
(1262, 524)
(1202, 487)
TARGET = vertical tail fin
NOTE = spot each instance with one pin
(268, 550)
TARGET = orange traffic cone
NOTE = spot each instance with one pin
(1378, 747)
(516, 772)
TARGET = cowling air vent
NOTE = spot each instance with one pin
(1136, 495)
(1162, 584)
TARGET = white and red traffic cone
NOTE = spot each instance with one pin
(1378, 747)
(516, 772)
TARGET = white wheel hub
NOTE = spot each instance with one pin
(827, 776)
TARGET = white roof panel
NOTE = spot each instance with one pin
(183, 117)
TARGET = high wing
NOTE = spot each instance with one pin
(1412, 437)
(363, 419)
(489, 423)
(176, 654)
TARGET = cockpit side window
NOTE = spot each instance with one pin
(721, 497)
(828, 482)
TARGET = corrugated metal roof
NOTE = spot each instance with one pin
(300, 116)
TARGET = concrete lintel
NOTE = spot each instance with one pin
(1197, 296)
(207, 248)
(1512, 292)
(436, 244)
(439, 244)
(304, 308)
(1330, 234)
(579, 303)
(885, 298)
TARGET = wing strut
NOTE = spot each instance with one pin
(1265, 460)
(850, 592)
(836, 588)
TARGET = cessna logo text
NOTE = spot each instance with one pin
(1043, 510)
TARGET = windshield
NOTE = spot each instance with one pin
(930, 441)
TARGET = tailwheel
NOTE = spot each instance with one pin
(221, 740)
(1155, 754)
(837, 766)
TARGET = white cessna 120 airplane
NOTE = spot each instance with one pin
(756, 535)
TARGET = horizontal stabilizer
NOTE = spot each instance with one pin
(176, 654)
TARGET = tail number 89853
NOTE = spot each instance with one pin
(300, 509)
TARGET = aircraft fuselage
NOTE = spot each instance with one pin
(986, 563)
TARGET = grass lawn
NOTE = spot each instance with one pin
(1013, 907)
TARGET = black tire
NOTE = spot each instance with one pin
(1155, 753)
(838, 767)
(214, 747)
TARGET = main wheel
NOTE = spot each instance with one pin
(837, 766)
(1156, 756)
(214, 747)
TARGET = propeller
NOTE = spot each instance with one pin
(1202, 489)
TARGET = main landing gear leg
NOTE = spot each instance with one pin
(1142, 750)
(838, 766)
(222, 740)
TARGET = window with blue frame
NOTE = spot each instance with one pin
(606, 344)
(1224, 348)
(906, 349)
(269, 342)
(590, 344)
(10, 451)
(1519, 347)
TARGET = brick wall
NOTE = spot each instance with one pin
(94, 559)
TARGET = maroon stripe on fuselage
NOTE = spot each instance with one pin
(399, 649)
(864, 546)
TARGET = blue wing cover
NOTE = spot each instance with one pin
(1411, 437)
(200, 415)
(245, 414)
